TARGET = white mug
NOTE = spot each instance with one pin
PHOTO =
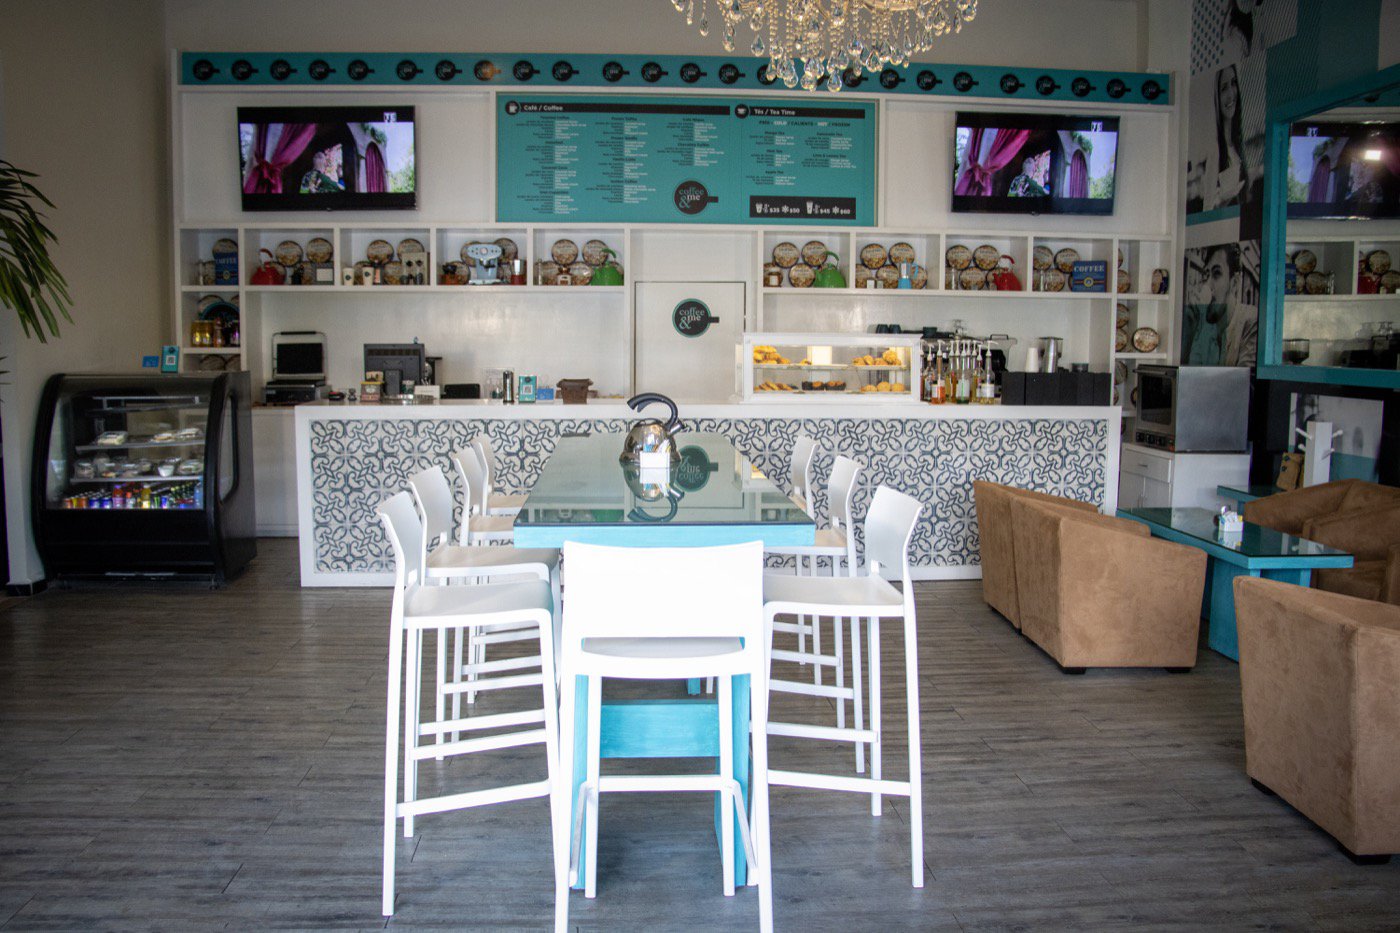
(1033, 360)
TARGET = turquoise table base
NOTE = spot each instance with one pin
(713, 496)
(678, 728)
(1257, 551)
(1222, 636)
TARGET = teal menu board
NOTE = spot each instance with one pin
(655, 159)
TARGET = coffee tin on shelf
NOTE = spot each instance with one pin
(1088, 275)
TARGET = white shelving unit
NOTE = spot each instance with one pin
(1092, 314)
(591, 331)
(1335, 322)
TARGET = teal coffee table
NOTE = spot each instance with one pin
(1256, 551)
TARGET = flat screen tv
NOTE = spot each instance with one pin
(1344, 170)
(327, 158)
(1027, 163)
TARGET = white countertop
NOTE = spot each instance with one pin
(613, 408)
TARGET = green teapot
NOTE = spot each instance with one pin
(829, 275)
(609, 273)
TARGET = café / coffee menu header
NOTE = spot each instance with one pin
(654, 159)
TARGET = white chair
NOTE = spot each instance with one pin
(889, 525)
(497, 503)
(836, 543)
(804, 455)
(418, 608)
(445, 562)
(477, 527)
(666, 613)
(800, 468)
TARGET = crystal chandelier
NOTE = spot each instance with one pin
(808, 42)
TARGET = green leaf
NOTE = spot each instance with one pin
(30, 282)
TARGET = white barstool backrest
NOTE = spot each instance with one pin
(488, 454)
(405, 532)
(841, 491)
(804, 453)
(684, 592)
(434, 494)
(473, 476)
(889, 524)
(482, 446)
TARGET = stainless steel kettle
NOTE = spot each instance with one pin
(650, 435)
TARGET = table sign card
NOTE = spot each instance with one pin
(654, 159)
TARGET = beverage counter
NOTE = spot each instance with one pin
(351, 457)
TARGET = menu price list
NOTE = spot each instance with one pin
(658, 160)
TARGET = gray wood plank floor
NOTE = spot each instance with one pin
(175, 758)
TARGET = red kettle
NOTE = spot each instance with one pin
(270, 272)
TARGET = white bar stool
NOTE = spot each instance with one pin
(477, 526)
(711, 626)
(888, 527)
(497, 502)
(446, 562)
(418, 608)
(800, 479)
(838, 544)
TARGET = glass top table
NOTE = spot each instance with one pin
(715, 495)
(1255, 546)
(1255, 551)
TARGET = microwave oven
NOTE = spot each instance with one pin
(1193, 408)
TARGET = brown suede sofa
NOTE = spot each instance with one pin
(1350, 515)
(997, 546)
(1320, 674)
(1090, 590)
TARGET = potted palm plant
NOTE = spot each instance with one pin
(30, 283)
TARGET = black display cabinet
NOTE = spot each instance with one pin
(144, 476)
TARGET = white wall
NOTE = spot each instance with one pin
(1053, 33)
(85, 107)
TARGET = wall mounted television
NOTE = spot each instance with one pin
(1028, 163)
(1344, 170)
(327, 158)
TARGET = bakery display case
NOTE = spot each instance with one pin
(144, 476)
(829, 367)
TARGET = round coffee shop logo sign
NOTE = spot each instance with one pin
(692, 318)
(694, 470)
(692, 197)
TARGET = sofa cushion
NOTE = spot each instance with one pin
(1287, 511)
(1110, 522)
(1363, 495)
(1364, 580)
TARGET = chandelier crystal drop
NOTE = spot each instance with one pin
(811, 43)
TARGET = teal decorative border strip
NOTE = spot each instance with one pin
(673, 72)
(1229, 212)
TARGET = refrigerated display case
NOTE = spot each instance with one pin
(829, 367)
(144, 476)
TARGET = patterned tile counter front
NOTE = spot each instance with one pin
(350, 458)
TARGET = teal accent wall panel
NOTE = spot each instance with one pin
(656, 159)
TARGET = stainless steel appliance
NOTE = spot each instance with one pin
(1193, 408)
